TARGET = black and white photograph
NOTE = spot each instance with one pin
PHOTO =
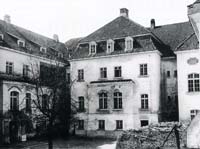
(99, 74)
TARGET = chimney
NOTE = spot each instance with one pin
(55, 37)
(153, 23)
(124, 12)
(7, 19)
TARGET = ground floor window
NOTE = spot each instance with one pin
(81, 124)
(101, 124)
(144, 123)
(193, 113)
(119, 124)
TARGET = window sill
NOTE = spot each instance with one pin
(103, 110)
(144, 110)
(119, 129)
(193, 93)
(100, 129)
(80, 80)
(118, 78)
(81, 111)
(143, 76)
(118, 109)
(102, 79)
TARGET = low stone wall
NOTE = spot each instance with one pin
(151, 137)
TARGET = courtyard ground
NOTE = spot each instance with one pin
(73, 143)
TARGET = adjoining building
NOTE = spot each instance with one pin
(22, 53)
(127, 76)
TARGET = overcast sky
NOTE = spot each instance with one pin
(78, 18)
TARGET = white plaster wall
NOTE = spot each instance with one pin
(130, 64)
(187, 101)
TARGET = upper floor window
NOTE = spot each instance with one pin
(9, 67)
(193, 113)
(119, 124)
(92, 48)
(81, 105)
(193, 82)
(1, 37)
(103, 72)
(81, 124)
(21, 43)
(14, 100)
(118, 72)
(175, 73)
(128, 44)
(80, 75)
(168, 74)
(25, 70)
(117, 100)
(101, 124)
(43, 49)
(110, 46)
(143, 69)
(28, 102)
(103, 100)
(144, 101)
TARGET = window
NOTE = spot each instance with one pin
(92, 48)
(144, 123)
(168, 74)
(144, 101)
(118, 72)
(21, 43)
(14, 100)
(117, 100)
(81, 106)
(45, 102)
(128, 44)
(119, 124)
(193, 113)
(43, 50)
(175, 73)
(81, 124)
(9, 67)
(28, 102)
(25, 70)
(193, 83)
(60, 55)
(103, 72)
(80, 75)
(169, 100)
(1, 37)
(103, 97)
(68, 77)
(110, 46)
(143, 70)
(101, 124)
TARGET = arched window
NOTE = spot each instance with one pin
(92, 48)
(110, 46)
(117, 100)
(14, 100)
(103, 100)
(128, 44)
(193, 82)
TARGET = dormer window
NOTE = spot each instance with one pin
(43, 49)
(110, 46)
(93, 48)
(21, 43)
(128, 44)
(1, 37)
(60, 55)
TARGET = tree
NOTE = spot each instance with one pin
(52, 97)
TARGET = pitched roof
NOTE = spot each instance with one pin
(33, 41)
(119, 27)
(173, 34)
(72, 43)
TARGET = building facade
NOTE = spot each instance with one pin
(127, 76)
(22, 53)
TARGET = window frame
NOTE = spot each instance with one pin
(21, 43)
(9, 68)
(110, 45)
(103, 73)
(80, 74)
(43, 49)
(128, 43)
(103, 101)
(117, 71)
(92, 48)
(81, 104)
(117, 100)
(14, 100)
(28, 102)
(143, 121)
(26, 70)
(144, 101)
(101, 125)
(144, 69)
(193, 82)
(119, 124)
(193, 113)
(80, 124)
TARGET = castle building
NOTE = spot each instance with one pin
(22, 53)
(127, 76)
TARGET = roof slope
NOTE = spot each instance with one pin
(119, 27)
(72, 43)
(173, 34)
(33, 41)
